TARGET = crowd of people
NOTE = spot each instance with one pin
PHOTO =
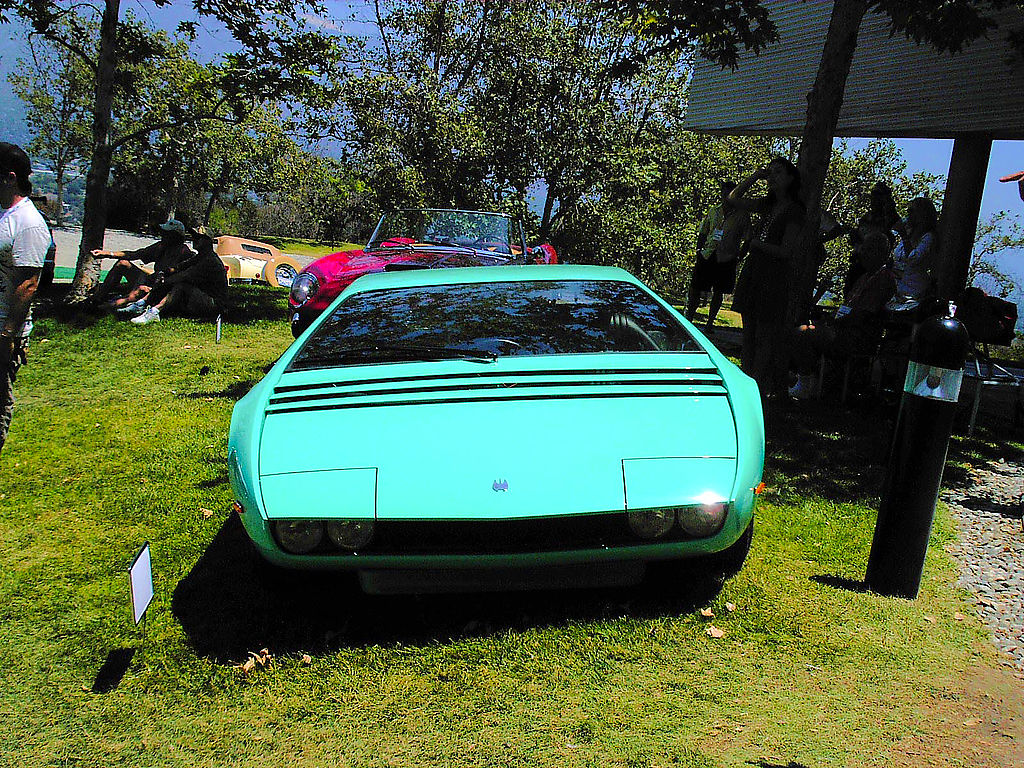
(193, 283)
(889, 282)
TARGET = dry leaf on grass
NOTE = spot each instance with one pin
(207, 513)
(959, 616)
(307, 659)
(263, 658)
(715, 632)
(930, 619)
(707, 613)
(730, 607)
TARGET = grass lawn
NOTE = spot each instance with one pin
(311, 248)
(120, 438)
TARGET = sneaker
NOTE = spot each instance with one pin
(804, 389)
(151, 315)
(130, 310)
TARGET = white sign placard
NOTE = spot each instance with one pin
(141, 575)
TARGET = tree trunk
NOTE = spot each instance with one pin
(824, 103)
(215, 193)
(94, 217)
(58, 215)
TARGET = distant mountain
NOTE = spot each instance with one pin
(12, 111)
(12, 118)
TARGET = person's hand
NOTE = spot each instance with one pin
(100, 253)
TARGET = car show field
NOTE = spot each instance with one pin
(778, 664)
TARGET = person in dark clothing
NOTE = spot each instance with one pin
(721, 243)
(196, 287)
(167, 252)
(764, 290)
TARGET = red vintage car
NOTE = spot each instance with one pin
(414, 239)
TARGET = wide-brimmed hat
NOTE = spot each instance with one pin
(174, 226)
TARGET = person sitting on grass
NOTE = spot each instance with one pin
(197, 287)
(167, 252)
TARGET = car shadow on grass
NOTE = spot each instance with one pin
(228, 605)
(234, 391)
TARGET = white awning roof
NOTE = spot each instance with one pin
(896, 88)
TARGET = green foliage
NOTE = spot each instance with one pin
(56, 87)
(1002, 231)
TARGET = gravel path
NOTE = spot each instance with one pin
(990, 550)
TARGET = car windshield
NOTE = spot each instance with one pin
(467, 229)
(482, 321)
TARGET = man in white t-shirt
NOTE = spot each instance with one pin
(24, 239)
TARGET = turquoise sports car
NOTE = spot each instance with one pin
(498, 428)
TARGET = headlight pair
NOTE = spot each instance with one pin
(696, 520)
(300, 537)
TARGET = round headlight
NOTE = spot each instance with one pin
(299, 536)
(702, 520)
(304, 287)
(350, 534)
(651, 523)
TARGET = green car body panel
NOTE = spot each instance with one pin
(518, 438)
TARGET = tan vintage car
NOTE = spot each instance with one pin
(250, 261)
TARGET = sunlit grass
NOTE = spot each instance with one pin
(120, 438)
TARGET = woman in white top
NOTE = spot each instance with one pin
(917, 250)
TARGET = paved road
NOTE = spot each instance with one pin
(68, 240)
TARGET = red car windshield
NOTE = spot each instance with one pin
(464, 229)
(487, 320)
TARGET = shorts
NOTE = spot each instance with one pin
(712, 274)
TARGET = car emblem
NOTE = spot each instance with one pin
(500, 485)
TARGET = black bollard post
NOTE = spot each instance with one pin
(938, 350)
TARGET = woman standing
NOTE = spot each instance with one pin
(764, 288)
(915, 254)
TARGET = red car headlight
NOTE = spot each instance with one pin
(304, 288)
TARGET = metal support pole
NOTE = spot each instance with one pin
(938, 350)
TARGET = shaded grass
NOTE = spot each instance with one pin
(120, 438)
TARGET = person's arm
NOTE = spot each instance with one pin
(738, 196)
(26, 281)
(920, 254)
(702, 234)
(145, 255)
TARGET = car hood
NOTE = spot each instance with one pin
(520, 437)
